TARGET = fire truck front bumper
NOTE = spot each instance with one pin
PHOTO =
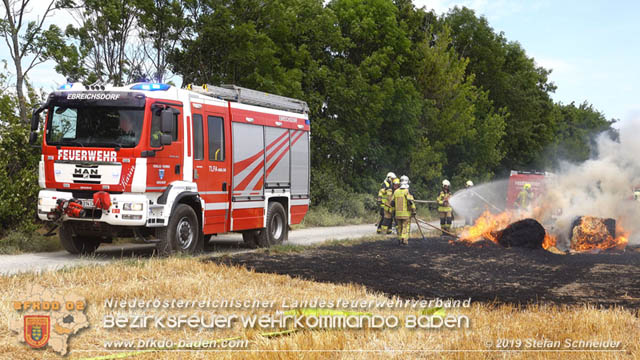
(125, 209)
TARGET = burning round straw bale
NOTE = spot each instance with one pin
(590, 233)
(527, 233)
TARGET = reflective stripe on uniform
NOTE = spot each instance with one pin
(403, 203)
(441, 198)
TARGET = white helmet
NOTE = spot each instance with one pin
(404, 179)
(469, 183)
(391, 175)
(446, 182)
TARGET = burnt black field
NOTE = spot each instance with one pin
(435, 268)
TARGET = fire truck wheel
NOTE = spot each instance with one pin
(182, 234)
(276, 230)
(250, 238)
(74, 244)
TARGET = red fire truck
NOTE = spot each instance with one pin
(172, 166)
(517, 180)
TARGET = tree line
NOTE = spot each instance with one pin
(391, 87)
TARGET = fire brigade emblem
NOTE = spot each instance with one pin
(161, 174)
(36, 330)
(47, 318)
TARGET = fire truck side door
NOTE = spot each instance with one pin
(166, 166)
(211, 166)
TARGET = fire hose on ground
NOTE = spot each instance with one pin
(418, 221)
(433, 226)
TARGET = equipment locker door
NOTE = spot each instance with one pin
(211, 165)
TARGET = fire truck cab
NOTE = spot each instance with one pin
(172, 166)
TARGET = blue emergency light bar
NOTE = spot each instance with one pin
(151, 87)
(65, 87)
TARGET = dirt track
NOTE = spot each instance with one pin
(225, 243)
(435, 268)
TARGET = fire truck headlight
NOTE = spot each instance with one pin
(132, 206)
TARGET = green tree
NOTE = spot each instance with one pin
(513, 82)
(26, 40)
(100, 48)
(18, 161)
(577, 128)
(162, 25)
(372, 105)
(461, 131)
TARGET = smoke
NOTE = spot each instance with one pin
(474, 201)
(601, 187)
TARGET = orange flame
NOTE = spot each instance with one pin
(549, 241)
(592, 233)
(486, 226)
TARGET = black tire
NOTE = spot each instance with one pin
(276, 231)
(182, 234)
(250, 238)
(74, 244)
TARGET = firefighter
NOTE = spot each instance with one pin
(444, 209)
(387, 222)
(403, 208)
(524, 198)
(382, 197)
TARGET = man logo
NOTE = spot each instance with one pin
(36, 330)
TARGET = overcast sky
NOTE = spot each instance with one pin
(591, 46)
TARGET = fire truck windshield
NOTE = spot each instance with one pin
(94, 126)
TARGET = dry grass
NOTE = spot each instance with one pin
(190, 278)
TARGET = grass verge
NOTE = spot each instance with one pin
(321, 216)
(191, 278)
(21, 241)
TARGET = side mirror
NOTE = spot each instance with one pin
(33, 137)
(165, 139)
(35, 119)
(167, 120)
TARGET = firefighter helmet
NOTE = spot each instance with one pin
(404, 179)
(391, 175)
(527, 186)
(396, 181)
(469, 183)
(446, 182)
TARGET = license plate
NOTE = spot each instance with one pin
(87, 203)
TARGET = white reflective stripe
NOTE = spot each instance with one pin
(41, 179)
(213, 192)
(216, 206)
(139, 182)
(299, 202)
(237, 105)
(247, 205)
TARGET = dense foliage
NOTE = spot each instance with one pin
(391, 87)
